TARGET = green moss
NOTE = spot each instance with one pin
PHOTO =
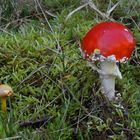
(51, 80)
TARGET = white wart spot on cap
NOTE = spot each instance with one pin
(124, 60)
(126, 30)
(111, 58)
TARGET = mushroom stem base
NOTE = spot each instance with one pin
(111, 71)
(108, 86)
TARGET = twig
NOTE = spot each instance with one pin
(78, 121)
(36, 1)
(34, 124)
(11, 138)
(21, 20)
(78, 102)
(87, 3)
(111, 9)
(3, 30)
(30, 75)
(135, 23)
(57, 41)
(50, 14)
(93, 6)
(77, 9)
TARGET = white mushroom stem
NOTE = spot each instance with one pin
(111, 71)
(108, 72)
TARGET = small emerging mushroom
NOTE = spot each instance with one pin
(105, 44)
(5, 91)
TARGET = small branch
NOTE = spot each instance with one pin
(11, 138)
(36, 1)
(50, 14)
(93, 6)
(3, 30)
(20, 20)
(77, 9)
(56, 40)
(135, 23)
(111, 9)
(30, 75)
(104, 15)
(34, 124)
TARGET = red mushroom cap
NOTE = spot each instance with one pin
(111, 39)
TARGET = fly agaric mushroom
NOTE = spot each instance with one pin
(105, 44)
(5, 91)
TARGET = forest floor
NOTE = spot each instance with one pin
(57, 95)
